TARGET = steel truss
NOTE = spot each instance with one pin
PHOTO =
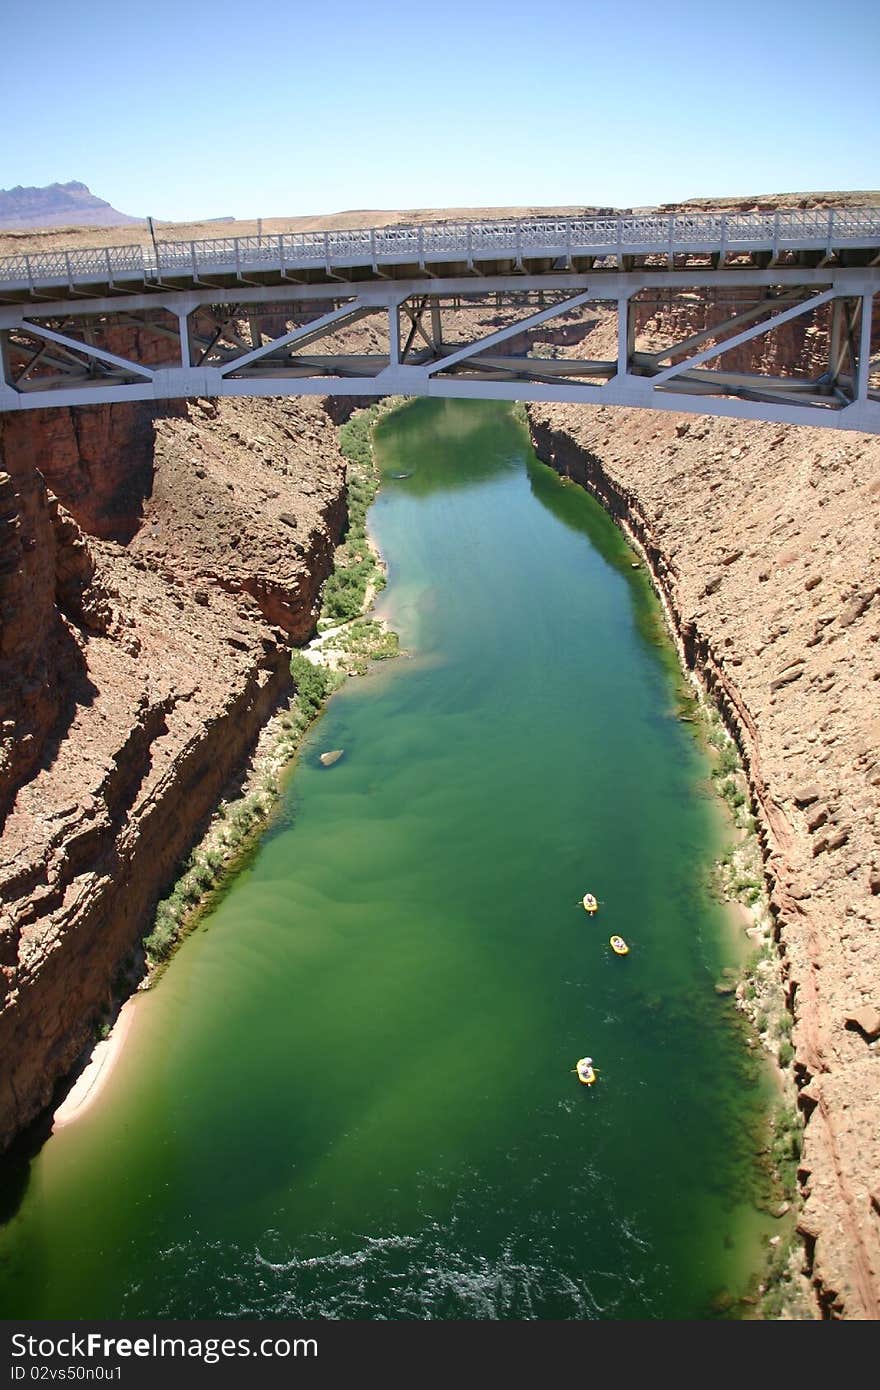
(215, 342)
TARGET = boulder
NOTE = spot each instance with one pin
(792, 673)
(839, 838)
(856, 607)
(866, 1020)
(805, 796)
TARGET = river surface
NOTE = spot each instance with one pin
(351, 1094)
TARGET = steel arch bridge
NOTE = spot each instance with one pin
(262, 316)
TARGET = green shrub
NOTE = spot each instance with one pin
(346, 589)
(355, 436)
(160, 943)
(786, 1144)
(310, 682)
(784, 1024)
(344, 594)
(728, 760)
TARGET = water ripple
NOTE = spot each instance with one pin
(423, 1275)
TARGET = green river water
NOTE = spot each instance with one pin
(351, 1094)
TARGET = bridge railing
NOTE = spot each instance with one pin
(502, 239)
(68, 266)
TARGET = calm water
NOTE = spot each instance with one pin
(351, 1095)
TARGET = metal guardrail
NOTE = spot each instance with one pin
(652, 233)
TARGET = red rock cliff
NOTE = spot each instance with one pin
(153, 572)
(764, 544)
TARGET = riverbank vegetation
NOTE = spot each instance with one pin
(357, 572)
(760, 996)
(740, 879)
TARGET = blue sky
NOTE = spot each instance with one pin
(195, 109)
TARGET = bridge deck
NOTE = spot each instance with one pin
(252, 316)
(536, 245)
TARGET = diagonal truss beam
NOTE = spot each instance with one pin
(736, 320)
(73, 344)
(208, 345)
(746, 336)
(60, 358)
(318, 328)
(40, 355)
(415, 318)
(521, 326)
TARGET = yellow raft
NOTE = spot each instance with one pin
(591, 905)
(619, 946)
(584, 1071)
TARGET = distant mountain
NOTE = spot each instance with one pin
(58, 205)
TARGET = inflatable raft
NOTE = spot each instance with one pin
(584, 1071)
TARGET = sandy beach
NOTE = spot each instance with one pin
(94, 1076)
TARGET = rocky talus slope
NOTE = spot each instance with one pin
(153, 573)
(764, 542)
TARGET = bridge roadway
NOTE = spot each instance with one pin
(201, 318)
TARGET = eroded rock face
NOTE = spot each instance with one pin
(46, 570)
(764, 542)
(136, 674)
(237, 503)
(97, 460)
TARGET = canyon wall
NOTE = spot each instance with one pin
(763, 540)
(154, 570)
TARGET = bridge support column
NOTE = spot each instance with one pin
(394, 334)
(626, 335)
(5, 377)
(436, 323)
(10, 399)
(835, 338)
(864, 363)
(185, 345)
